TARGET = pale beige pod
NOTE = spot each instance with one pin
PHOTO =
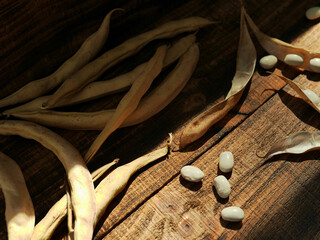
(19, 211)
(78, 175)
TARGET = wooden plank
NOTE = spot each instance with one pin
(280, 198)
(58, 29)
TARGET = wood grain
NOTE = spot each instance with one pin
(39, 35)
(280, 197)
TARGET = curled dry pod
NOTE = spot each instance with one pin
(99, 89)
(296, 143)
(79, 179)
(149, 105)
(117, 180)
(131, 46)
(90, 47)
(246, 60)
(57, 213)
(130, 100)
(20, 217)
(307, 95)
(285, 52)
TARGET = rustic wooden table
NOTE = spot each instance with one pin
(280, 198)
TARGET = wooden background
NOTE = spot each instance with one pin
(280, 198)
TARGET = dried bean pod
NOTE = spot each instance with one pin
(82, 191)
(90, 47)
(20, 216)
(97, 67)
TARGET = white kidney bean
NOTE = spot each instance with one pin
(226, 161)
(293, 60)
(268, 62)
(313, 13)
(192, 173)
(222, 186)
(312, 96)
(232, 214)
(315, 64)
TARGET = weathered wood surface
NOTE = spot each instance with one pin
(38, 36)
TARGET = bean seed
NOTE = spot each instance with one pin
(293, 60)
(222, 186)
(232, 214)
(313, 13)
(192, 173)
(226, 162)
(315, 64)
(312, 95)
(268, 62)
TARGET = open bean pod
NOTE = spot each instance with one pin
(307, 95)
(296, 143)
(285, 52)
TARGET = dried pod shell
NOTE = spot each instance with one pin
(296, 143)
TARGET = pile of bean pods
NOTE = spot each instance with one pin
(83, 203)
(75, 81)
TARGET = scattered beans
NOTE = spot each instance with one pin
(268, 62)
(19, 211)
(232, 214)
(313, 13)
(226, 161)
(192, 173)
(293, 60)
(222, 186)
(246, 61)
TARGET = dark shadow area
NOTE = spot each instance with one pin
(226, 174)
(315, 77)
(293, 217)
(298, 107)
(193, 186)
(231, 225)
(219, 199)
